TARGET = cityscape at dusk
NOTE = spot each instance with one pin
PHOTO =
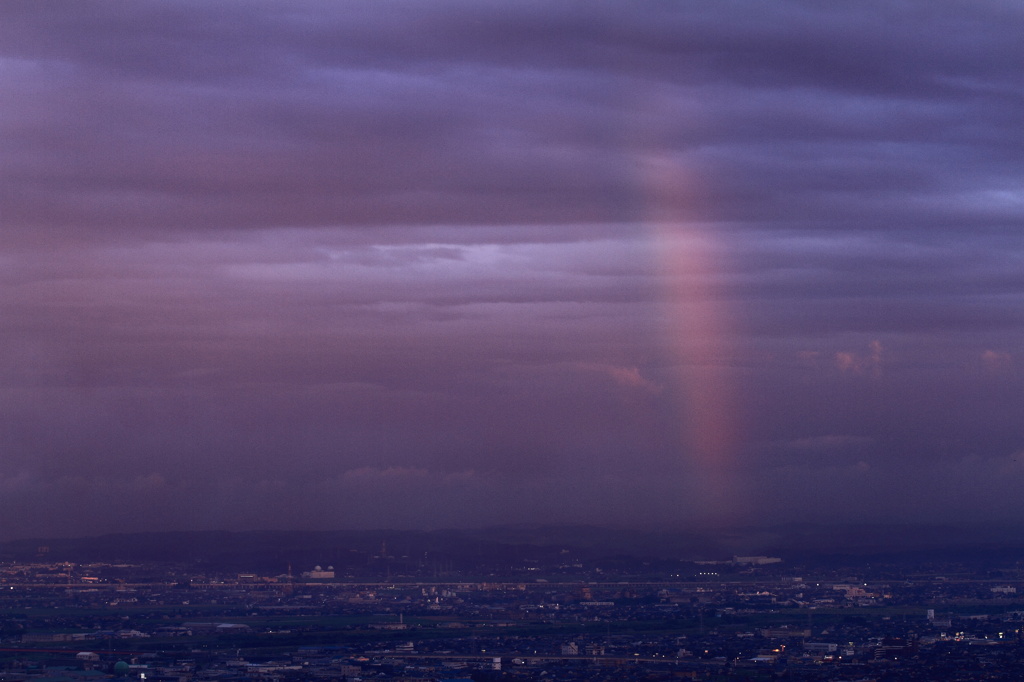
(323, 266)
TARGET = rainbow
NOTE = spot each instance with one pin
(696, 327)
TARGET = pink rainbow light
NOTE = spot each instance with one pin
(697, 325)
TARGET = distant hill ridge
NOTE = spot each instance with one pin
(505, 545)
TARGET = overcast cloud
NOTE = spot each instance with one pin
(409, 264)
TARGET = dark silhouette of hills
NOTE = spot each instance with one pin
(506, 547)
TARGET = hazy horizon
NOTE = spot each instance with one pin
(316, 265)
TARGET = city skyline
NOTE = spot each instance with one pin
(420, 265)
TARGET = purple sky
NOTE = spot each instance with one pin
(425, 264)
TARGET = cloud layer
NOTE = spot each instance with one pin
(454, 263)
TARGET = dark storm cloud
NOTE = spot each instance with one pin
(344, 264)
(198, 115)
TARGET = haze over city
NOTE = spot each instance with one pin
(316, 265)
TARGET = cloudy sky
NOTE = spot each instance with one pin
(324, 265)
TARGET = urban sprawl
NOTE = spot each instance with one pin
(753, 618)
